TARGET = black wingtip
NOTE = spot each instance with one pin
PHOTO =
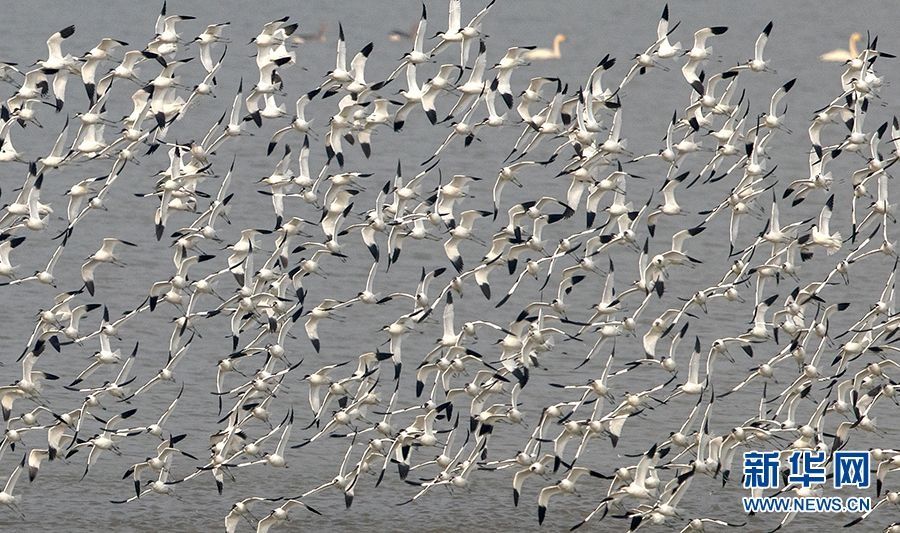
(698, 87)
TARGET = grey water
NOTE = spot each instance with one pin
(59, 500)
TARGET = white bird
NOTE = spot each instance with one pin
(459, 233)
(92, 60)
(7, 269)
(58, 64)
(564, 486)
(299, 122)
(241, 511)
(543, 54)
(417, 55)
(699, 52)
(276, 458)
(842, 56)
(821, 234)
(757, 63)
(211, 35)
(771, 119)
(279, 515)
(665, 50)
(127, 69)
(6, 496)
(474, 86)
(106, 254)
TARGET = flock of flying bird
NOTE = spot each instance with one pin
(473, 383)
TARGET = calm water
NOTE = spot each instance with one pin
(58, 499)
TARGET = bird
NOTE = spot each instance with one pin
(757, 63)
(299, 122)
(492, 392)
(459, 233)
(106, 254)
(543, 54)
(699, 52)
(821, 233)
(92, 59)
(6, 496)
(564, 486)
(280, 514)
(842, 56)
(240, 511)
(417, 55)
(58, 64)
(7, 269)
(318, 37)
(212, 34)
